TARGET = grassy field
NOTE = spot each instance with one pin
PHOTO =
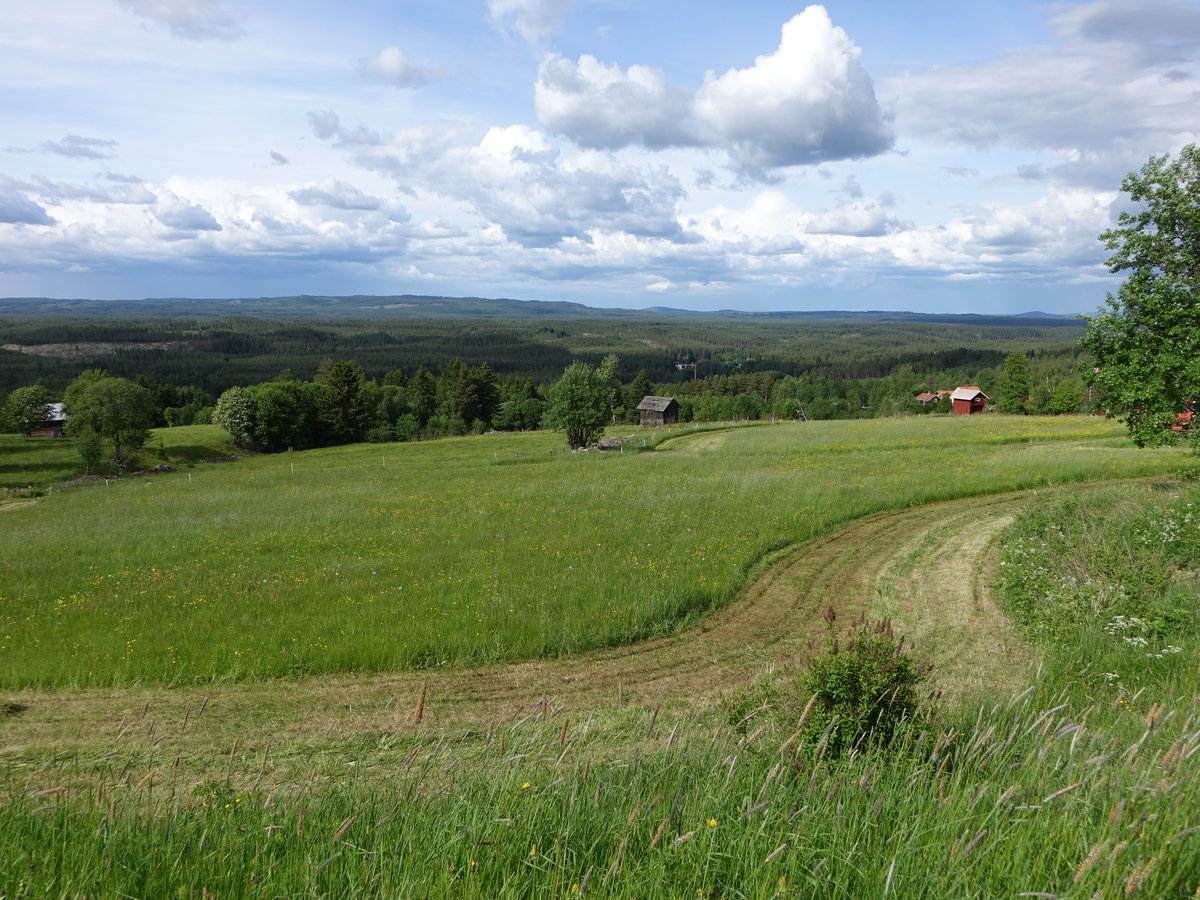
(28, 467)
(463, 552)
(1080, 785)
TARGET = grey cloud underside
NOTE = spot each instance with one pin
(185, 217)
(78, 147)
(335, 194)
(1154, 32)
(17, 209)
(1123, 77)
(123, 192)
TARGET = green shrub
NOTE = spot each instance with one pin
(864, 690)
(861, 690)
(380, 434)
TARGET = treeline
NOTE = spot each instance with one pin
(340, 405)
(215, 353)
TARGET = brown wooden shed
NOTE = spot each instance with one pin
(658, 411)
(54, 427)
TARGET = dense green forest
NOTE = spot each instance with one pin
(269, 370)
(216, 344)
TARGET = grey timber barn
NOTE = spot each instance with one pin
(658, 411)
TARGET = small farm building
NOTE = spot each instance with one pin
(927, 397)
(658, 411)
(968, 400)
(54, 427)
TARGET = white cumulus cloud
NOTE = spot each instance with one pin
(809, 101)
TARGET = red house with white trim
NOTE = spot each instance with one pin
(968, 400)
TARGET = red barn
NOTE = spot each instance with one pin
(967, 400)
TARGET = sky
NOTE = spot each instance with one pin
(934, 156)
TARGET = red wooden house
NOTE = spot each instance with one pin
(967, 400)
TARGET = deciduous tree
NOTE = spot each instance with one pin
(119, 411)
(1146, 343)
(28, 408)
(235, 412)
(1065, 399)
(580, 405)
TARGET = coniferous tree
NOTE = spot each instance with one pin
(340, 407)
(422, 396)
(1016, 384)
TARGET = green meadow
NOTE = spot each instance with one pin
(149, 621)
(469, 551)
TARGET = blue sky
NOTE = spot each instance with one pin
(936, 156)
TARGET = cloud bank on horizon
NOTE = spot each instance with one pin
(939, 157)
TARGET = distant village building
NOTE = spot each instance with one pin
(658, 411)
(54, 427)
(927, 397)
(968, 400)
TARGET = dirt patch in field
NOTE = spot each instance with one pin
(927, 567)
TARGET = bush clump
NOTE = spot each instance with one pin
(861, 689)
(864, 690)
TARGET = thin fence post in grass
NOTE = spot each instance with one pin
(419, 712)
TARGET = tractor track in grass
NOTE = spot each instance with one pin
(928, 566)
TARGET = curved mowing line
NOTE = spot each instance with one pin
(770, 625)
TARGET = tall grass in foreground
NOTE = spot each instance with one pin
(469, 551)
(1021, 800)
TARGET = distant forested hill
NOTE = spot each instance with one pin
(214, 344)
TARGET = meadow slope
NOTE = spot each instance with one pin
(473, 551)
